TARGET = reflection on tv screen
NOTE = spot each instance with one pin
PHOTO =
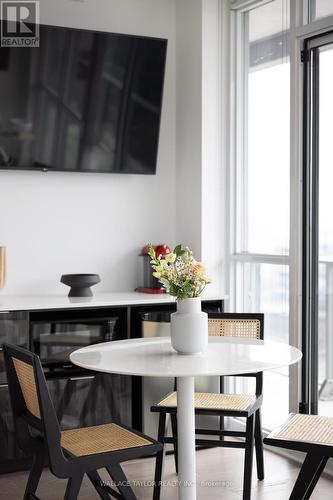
(82, 101)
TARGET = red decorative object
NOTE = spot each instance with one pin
(142, 289)
(162, 250)
(144, 251)
(159, 249)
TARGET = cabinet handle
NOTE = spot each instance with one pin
(88, 377)
(4, 312)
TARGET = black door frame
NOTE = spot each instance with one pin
(310, 58)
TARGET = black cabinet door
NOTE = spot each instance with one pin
(14, 329)
(56, 334)
(91, 400)
(11, 457)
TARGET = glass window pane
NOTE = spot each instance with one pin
(325, 153)
(269, 19)
(265, 288)
(268, 149)
(268, 160)
(325, 234)
(264, 188)
(322, 8)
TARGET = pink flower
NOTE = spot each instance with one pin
(198, 267)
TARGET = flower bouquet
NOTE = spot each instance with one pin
(185, 279)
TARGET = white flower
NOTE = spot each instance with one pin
(170, 257)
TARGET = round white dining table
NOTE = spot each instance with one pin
(154, 357)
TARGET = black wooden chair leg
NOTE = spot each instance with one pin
(34, 476)
(158, 475)
(308, 477)
(121, 481)
(221, 426)
(73, 487)
(159, 458)
(248, 462)
(316, 478)
(96, 480)
(175, 438)
(259, 446)
(221, 418)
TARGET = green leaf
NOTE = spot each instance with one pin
(179, 251)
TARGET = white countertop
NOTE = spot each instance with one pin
(38, 302)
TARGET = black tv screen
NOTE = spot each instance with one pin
(82, 101)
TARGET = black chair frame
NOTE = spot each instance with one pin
(42, 439)
(248, 439)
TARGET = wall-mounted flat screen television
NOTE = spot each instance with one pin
(82, 101)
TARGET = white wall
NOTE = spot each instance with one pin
(189, 117)
(199, 135)
(57, 223)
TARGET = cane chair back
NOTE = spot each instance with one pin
(26, 378)
(31, 403)
(246, 326)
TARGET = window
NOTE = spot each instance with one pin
(321, 8)
(282, 268)
(262, 193)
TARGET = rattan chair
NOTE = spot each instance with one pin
(70, 453)
(312, 434)
(246, 326)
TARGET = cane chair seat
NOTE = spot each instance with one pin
(314, 429)
(212, 401)
(310, 434)
(100, 439)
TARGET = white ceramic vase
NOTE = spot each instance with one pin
(189, 327)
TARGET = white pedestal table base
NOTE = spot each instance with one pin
(186, 438)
